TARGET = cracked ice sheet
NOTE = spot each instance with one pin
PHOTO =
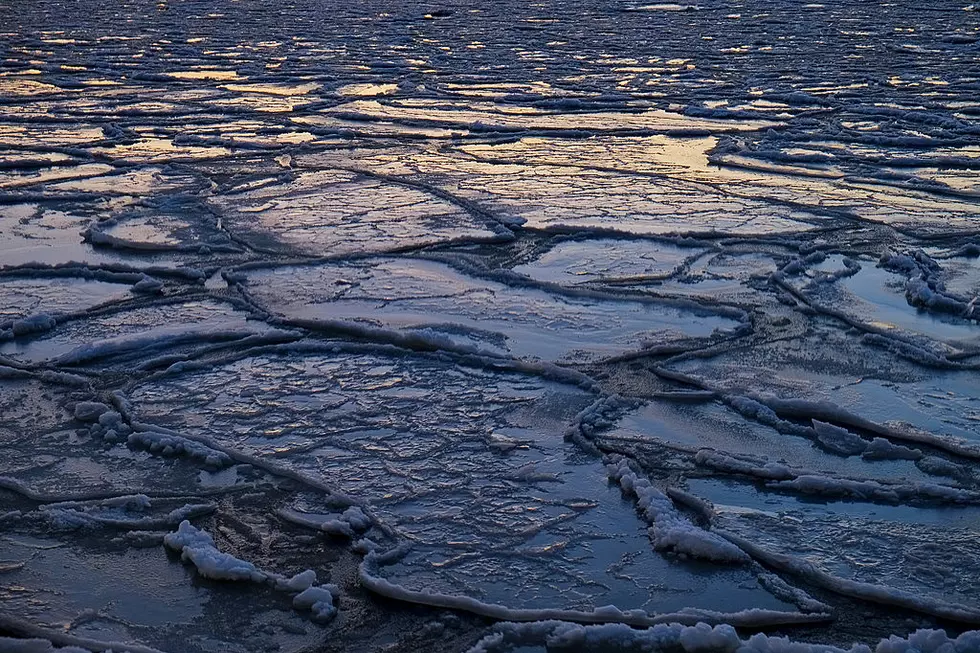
(827, 365)
(159, 230)
(876, 297)
(32, 234)
(469, 465)
(206, 140)
(12, 181)
(137, 332)
(22, 297)
(606, 260)
(162, 150)
(568, 197)
(99, 582)
(923, 549)
(433, 298)
(488, 116)
(690, 161)
(139, 182)
(657, 426)
(725, 276)
(118, 593)
(52, 233)
(338, 212)
(47, 453)
(641, 265)
(929, 552)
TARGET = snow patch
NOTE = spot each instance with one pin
(197, 548)
(669, 531)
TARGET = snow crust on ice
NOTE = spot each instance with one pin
(669, 531)
(123, 512)
(173, 445)
(197, 547)
(348, 524)
(781, 476)
(400, 464)
(515, 316)
(866, 591)
(370, 576)
(839, 440)
(699, 638)
(385, 303)
(10, 645)
(318, 600)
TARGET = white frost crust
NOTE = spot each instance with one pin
(318, 600)
(10, 645)
(750, 467)
(669, 530)
(32, 324)
(700, 638)
(806, 482)
(771, 409)
(160, 339)
(839, 440)
(90, 411)
(175, 445)
(882, 449)
(351, 522)
(118, 512)
(873, 490)
(197, 547)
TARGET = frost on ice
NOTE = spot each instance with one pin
(512, 326)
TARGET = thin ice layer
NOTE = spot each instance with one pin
(137, 594)
(469, 465)
(339, 212)
(23, 297)
(433, 298)
(582, 261)
(164, 329)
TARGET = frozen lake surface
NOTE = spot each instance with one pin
(489, 326)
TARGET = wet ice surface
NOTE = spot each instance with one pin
(339, 212)
(607, 260)
(135, 332)
(433, 299)
(469, 466)
(504, 312)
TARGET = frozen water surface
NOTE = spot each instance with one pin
(432, 298)
(163, 328)
(25, 297)
(496, 327)
(607, 260)
(469, 466)
(340, 212)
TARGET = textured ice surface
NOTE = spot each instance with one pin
(561, 196)
(722, 429)
(433, 298)
(26, 297)
(929, 552)
(607, 260)
(139, 331)
(470, 466)
(877, 297)
(340, 212)
(128, 594)
(489, 309)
